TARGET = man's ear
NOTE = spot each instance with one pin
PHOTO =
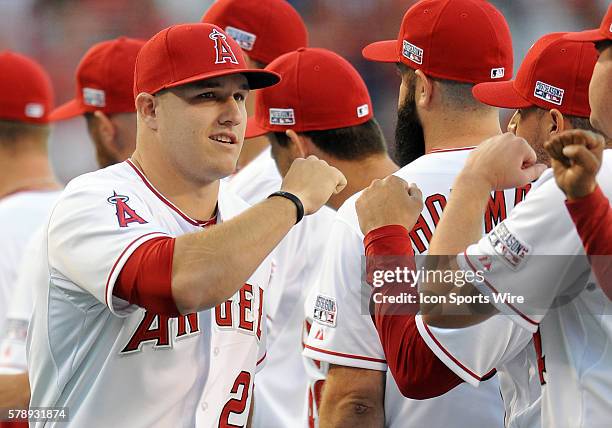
(558, 123)
(146, 105)
(423, 89)
(298, 145)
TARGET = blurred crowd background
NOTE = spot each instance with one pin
(58, 32)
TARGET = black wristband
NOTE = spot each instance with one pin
(294, 199)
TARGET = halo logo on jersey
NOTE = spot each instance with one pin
(325, 310)
(511, 249)
(282, 116)
(498, 73)
(412, 52)
(125, 214)
(548, 93)
(222, 49)
(244, 39)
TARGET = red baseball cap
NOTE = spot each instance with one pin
(320, 90)
(187, 53)
(459, 40)
(104, 80)
(604, 32)
(27, 95)
(554, 74)
(264, 29)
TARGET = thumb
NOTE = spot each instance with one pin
(581, 156)
(533, 172)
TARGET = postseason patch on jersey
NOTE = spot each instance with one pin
(282, 116)
(244, 39)
(94, 97)
(412, 52)
(511, 249)
(325, 310)
(548, 93)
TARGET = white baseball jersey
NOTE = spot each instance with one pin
(343, 332)
(20, 215)
(281, 391)
(537, 257)
(13, 342)
(113, 363)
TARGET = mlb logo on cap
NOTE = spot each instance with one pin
(548, 93)
(498, 73)
(413, 53)
(282, 116)
(244, 39)
(363, 110)
(34, 110)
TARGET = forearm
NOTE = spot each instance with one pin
(210, 266)
(352, 397)
(14, 391)
(460, 226)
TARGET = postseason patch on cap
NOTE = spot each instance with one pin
(498, 73)
(363, 110)
(94, 97)
(413, 53)
(325, 310)
(548, 93)
(34, 110)
(244, 39)
(282, 116)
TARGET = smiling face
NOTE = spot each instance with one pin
(201, 126)
(599, 90)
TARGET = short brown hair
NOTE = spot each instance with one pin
(13, 131)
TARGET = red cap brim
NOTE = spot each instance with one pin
(500, 94)
(72, 108)
(258, 79)
(384, 51)
(253, 129)
(586, 36)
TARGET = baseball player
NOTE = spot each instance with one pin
(265, 30)
(534, 260)
(148, 320)
(28, 187)
(321, 107)
(439, 123)
(111, 119)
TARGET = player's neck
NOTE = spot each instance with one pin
(26, 172)
(448, 132)
(359, 175)
(198, 201)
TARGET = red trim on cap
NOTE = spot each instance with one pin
(458, 149)
(351, 356)
(117, 262)
(167, 202)
(456, 361)
(525, 317)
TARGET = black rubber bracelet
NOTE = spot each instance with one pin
(295, 200)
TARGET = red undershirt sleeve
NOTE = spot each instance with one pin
(419, 374)
(146, 277)
(592, 216)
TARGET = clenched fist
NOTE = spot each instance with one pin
(389, 201)
(576, 158)
(313, 181)
(503, 162)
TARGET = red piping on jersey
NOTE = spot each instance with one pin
(262, 358)
(119, 258)
(456, 361)
(459, 149)
(166, 201)
(340, 354)
(510, 305)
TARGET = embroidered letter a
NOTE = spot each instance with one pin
(125, 214)
(222, 48)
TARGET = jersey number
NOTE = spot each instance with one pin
(236, 406)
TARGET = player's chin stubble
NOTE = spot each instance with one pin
(409, 139)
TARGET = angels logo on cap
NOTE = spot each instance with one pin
(222, 48)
